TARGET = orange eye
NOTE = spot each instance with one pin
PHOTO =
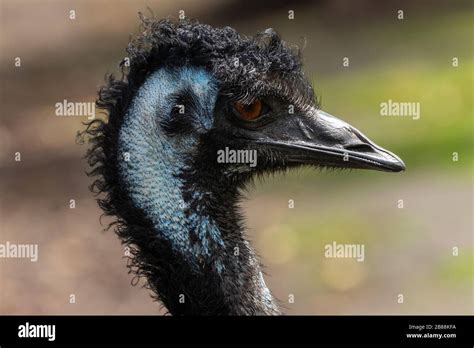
(249, 111)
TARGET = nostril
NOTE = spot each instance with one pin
(361, 147)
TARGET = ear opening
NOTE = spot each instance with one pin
(181, 118)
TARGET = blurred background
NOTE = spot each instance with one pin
(408, 250)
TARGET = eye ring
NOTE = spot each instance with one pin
(249, 112)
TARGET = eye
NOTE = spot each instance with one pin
(251, 111)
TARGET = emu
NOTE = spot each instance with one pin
(188, 91)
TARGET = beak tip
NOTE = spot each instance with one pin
(401, 167)
(396, 165)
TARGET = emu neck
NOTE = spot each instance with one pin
(197, 259)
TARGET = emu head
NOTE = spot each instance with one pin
(208, 89)
(190, 92)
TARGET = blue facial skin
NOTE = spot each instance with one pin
(151, 174)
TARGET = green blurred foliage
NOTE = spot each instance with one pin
(456, 270)
(443, 91)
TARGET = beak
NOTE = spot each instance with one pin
(318, 138)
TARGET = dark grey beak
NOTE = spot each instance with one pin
(316, 137)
